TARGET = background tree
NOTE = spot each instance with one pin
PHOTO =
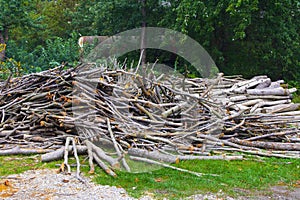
(243, 37)
(246, 37)
(14, 13)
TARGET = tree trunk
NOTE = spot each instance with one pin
(2, 46)
(143, 34)
(3, 41)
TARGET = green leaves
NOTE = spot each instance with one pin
(246, 37)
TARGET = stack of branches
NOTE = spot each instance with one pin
(147, 116)
(31, 107)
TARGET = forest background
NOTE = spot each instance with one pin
(247, 37)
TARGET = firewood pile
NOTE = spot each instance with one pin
(148, 115)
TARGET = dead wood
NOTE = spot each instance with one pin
(110, 107)
(59, 153)
(268, 145)
(169, 158)
(25, 151)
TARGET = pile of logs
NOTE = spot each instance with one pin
(31, 107)
(147, 116)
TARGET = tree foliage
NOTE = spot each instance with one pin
(14, 13)
(246, 37)
(243, 37)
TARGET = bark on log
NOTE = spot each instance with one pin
(114, 163)
(156, 155)
(59, 153)
(104, 166)
(282, 108)
(268, 145)
(17, 150)
(264, 84)
(271, 91)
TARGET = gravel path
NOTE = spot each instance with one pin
(47, 184)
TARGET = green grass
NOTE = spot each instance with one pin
(18, 163)
(250, 175)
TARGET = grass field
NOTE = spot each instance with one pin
(251, 174)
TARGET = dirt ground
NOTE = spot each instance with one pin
(274, 193)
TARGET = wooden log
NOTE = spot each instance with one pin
(91, 158)
(22, 151)
(268, 145)
(291, 113)
(249, 97)
(104, 166)
(174, 109)
(269, 103)
(251, 83)
(264, 83)
(114, 163)
(282, 108)
(251, 102)
(156, 155)
(261, 153)
(271, 91)
(271, 135)
(59, 153)
(276, 84)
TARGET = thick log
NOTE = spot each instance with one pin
(264, 84)
(290, 113)
(282, 108)
(271, 91)
(23, 151)
(268, 145)
(59, 153)
(247, 97)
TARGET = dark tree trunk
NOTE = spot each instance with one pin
(143, 34)
(2, 46)
(3, 41)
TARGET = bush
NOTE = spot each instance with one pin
(55, 51)
(10, 66)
